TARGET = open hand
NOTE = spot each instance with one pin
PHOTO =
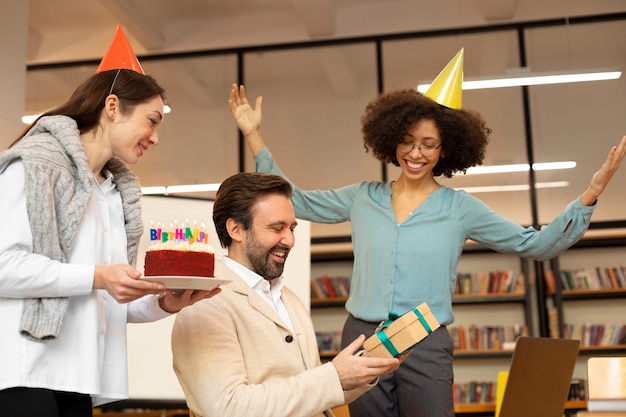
(248, 119)
(174, 301)
(123, 283)
(601, 178)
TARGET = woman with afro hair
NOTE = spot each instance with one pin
(408, 234)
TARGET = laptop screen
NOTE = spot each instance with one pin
(540, 376)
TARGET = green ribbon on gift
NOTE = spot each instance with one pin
(393, 317)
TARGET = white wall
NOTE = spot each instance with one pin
(149, 352)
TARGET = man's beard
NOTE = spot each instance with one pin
(260, 258)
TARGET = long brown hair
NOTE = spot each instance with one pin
(87, 101)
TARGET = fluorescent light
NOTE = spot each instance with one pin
(517, 187)
(153, 190)
(192, 188)
(530, 78)
(28, 119)
(180, 189)
(539, 166)
(548, 166)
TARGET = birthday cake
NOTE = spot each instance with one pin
(181, 252)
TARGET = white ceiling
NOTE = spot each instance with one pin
(82, 29)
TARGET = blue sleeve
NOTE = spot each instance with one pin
(501, 234)
(327, 206)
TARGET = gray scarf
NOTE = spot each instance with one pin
(58, 186)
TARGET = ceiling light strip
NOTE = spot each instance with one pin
(30, 118)
(538, 166)
(527, 79)
(180, 189)
(515, 187)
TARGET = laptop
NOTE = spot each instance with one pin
(540, 376)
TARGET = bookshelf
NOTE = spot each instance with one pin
(586, 257)
(334, 257)
(603, 246)
(580, 312)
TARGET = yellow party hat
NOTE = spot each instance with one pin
(446, 89)
(120, 55)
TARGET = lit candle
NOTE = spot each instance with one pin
(205, 235)
(196, 232)
(153, 232)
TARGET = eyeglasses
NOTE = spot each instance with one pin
(424, 148)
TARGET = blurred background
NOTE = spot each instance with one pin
(318, 63)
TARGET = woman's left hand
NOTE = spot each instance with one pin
(601, 178)
(174, 301)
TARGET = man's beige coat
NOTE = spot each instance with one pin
(235, 358)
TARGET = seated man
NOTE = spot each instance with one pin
(252, 351)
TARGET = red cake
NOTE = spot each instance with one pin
(195, 260)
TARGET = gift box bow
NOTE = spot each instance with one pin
(384, 339)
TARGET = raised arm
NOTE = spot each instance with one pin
(248, 119)
(601, 178)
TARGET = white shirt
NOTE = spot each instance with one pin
(89, 355)
(270, 292)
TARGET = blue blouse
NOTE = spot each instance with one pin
(399, 266)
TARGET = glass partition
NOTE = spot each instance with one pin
(314, 96)
(579, 121)
(313, 99)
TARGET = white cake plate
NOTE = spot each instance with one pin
(187, 283)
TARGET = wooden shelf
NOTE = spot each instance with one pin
(482, 354)
(328, 302)
(593, 294)
(491, 408)
(592, 350)
(488, 298)
(474, 408)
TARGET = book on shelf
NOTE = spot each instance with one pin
(330, 287)
(598, 278)
(485, 337)
(550, 282)
(316, 289)
(339, 283)
(473, 392)
(494, 282)
(596, 334)
(553, 322)
(328, 341)
(577, 390)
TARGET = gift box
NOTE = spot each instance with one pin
(401, 334)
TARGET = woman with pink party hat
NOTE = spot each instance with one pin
(408, 234)
(71, 223)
